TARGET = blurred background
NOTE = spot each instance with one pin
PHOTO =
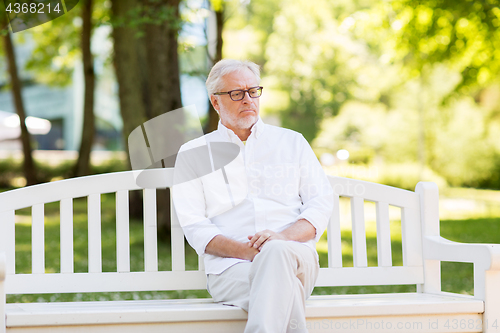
(389, 91)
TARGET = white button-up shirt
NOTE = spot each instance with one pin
(274, 181)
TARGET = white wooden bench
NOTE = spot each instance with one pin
(427, 310)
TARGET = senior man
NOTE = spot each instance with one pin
(257, 219)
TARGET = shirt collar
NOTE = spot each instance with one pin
(228, 134)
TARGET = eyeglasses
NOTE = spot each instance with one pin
(238, 94)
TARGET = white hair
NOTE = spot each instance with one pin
(227, 66)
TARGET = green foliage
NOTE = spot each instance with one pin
(466, 147)
(312, 62)
(153, 12)
(9, 168)
(58, 45)
(463, 34)
(46, 173)
(370, 131)
(3, 21)
(407, 175)
(462, 142)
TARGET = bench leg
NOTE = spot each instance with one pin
(491, 316)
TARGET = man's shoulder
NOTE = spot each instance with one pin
(284, 133)
(281, 130)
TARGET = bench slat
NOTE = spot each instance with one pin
(150, 240)
(374, 192)
(8, 238)
(334, 236)
(194, 280)
(411, 237)
(178, 250)
(370, 276)
(122, 232)
(358, 232)
(66, 230)
(104, 282)
(37, 239)
(201, 263)
(384, 255)
(94, 230)
(82, 187)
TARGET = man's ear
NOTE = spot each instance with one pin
(215, 103)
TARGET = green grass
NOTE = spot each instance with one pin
(455, 277)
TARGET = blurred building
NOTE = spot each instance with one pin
(63, 106)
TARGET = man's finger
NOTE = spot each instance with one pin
(253, 239)
(258, 242)
(262, 239)
(256, 237)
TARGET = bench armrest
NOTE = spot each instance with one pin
(486, 260)
(485, 256)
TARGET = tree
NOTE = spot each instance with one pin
(58, 44)
(218, 7)
(161, 30)
(145, 32)
(82, 165)
(16, 87)
(462, 35)
(313, 65)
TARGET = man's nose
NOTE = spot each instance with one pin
(246, 97)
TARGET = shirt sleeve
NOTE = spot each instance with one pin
(189, 202)
(315, 190)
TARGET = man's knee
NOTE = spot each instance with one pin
(276, 247)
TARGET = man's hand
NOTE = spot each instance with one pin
(223, 246)
(300, 231)
(258, 240)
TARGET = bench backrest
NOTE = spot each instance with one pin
(179, 278)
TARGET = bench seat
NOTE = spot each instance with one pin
(129, 316)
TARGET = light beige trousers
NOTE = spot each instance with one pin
(272, 289)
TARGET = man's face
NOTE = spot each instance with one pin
(237, 115)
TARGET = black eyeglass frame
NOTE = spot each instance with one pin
(242, 90)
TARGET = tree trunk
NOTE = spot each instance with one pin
(130, 89)
(28, 164)
(126, 63)
(82, 167)
(213, 116)
(164, 83)
(162, 60)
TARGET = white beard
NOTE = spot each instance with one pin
(242, 122)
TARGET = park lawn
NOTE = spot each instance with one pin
(455, 277)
